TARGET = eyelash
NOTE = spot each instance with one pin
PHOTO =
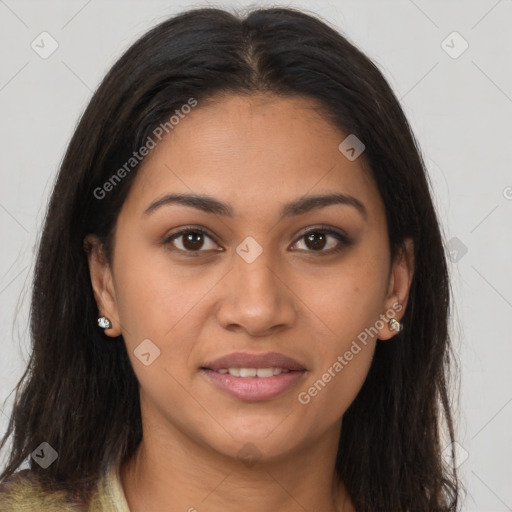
(341, 237)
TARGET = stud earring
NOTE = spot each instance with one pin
(395, 325)
(104, 322)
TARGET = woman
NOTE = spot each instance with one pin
(241, 295)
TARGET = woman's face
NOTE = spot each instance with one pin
(255, 282)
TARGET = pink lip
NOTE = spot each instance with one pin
(254, 389)
(246, 360)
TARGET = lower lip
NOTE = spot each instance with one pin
(254, 389)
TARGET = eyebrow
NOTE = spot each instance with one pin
(296, 207)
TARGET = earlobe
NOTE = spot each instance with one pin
(102, 285)
(398, 292)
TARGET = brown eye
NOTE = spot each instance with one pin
(323, 240)
(192, 240)
(316, 240)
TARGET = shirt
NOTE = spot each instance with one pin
(22, 493)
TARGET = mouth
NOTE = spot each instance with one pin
(254, 377)
(248, 373)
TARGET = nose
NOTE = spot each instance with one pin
(256, 299)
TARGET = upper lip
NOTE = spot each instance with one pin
(246, 360)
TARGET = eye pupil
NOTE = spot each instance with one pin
(193, 241)
(316, 240)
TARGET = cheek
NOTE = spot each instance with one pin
(330, 391)
(153, 294)
(159, 302)
(346, 303)
(347, 299)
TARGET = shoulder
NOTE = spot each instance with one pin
(23, 492)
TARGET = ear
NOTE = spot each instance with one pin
(102, 283)
(400, 280)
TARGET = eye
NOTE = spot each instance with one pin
(191, 240)
(324, 239)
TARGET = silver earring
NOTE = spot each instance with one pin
(395, 325)
(104, 322)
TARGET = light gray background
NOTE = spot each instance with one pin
(460, 109)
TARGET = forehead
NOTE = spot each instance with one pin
(253, 151)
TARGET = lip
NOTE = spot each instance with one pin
(247, 360)
(254, 389)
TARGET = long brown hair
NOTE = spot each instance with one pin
(80, 394)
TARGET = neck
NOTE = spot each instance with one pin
(190, 477)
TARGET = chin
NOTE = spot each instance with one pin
(267, 442)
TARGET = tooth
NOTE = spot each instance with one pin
(265, 372)
(248, 372)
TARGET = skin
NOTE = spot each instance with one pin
(255, 153)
